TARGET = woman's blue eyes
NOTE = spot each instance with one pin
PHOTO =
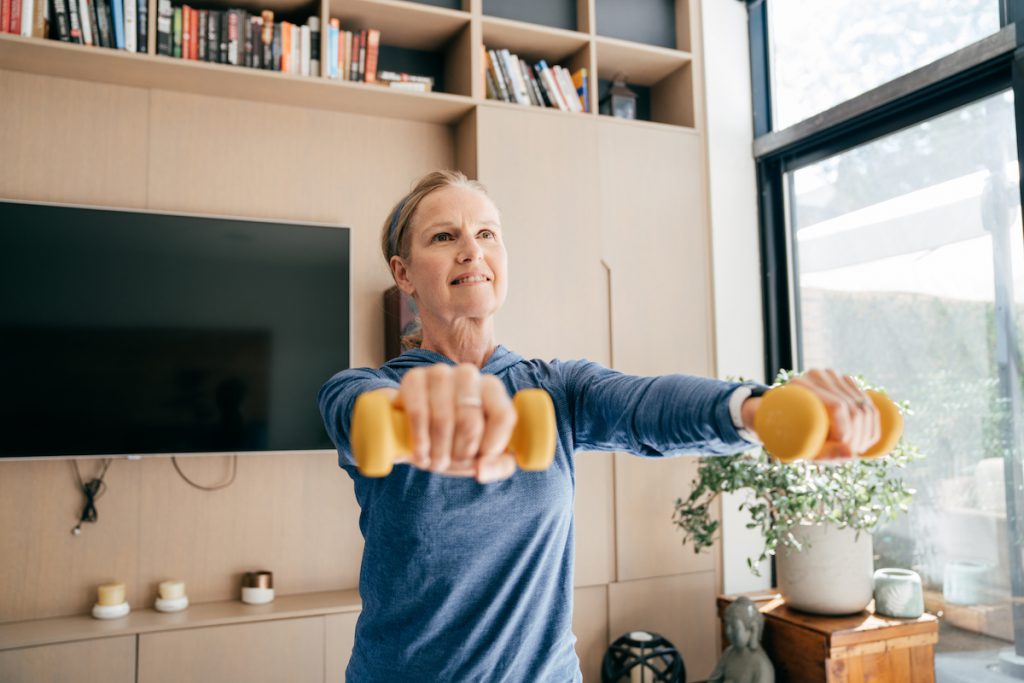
(447, 236)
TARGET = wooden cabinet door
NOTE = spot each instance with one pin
(105, 660)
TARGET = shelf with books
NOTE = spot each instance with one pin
(64, 60)
(400, 44)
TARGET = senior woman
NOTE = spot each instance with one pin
(468, 562)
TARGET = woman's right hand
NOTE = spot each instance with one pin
(460, 421)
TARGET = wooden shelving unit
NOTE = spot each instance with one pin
(21, 634)
(456, 35)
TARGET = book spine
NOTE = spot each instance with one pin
(554, 94)
(60, 11)
(85, 17)
(164, 27)
(346, 71)
(245, 39)
(333, 34)
(296, 57)
(13, 23)
(314, 45)
(102, 10)
(579, 79)
(76, 23)
(276, 45)
(5, 15)
(232, 18)
(569, 90)
(142, 35)
(193, 30)
(495, 71)
(489, 87)
(203, 33)
(222, 37)
(535, 96)
(40, 19)
(186, 32)
(175, 32)
(286, 46)
(267, 39)
(305, 54)
(117, 10)
(257, 41)
(131, 31)
(362, 57)
(372, 52)
(27, 19)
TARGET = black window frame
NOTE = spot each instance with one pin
(990, 65)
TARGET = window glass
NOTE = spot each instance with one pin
(909, 269)
(826, 51)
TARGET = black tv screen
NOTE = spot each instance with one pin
(132, 333)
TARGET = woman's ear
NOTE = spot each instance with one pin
(400, 272)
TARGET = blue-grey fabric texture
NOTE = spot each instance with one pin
(468, 582)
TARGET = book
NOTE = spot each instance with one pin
(194, 30)
(40, 19)
(186, 32)
(117, 12)
(361, 75)
(304, 50)
(296, 58)
(222, 37)
(333, 33)
(85, 17)
(276, 46)
(13, 23)
(413, 86)
(286, 46)
(372, 49)
(130, 30)
(245, 39)
(175, 32)
(61, 21)
(564, 81)
(548, 80)
(267, 39)
(27, 19)
(75, 21)
(314, 45)
(164, 28)
(495, 73)
(257, 41)
(232, 19)
(202, 36)
(101, 8)
(579, 79)
(142, 16)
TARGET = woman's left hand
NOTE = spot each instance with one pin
(854, 422)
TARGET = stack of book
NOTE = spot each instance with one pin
(118, 24)
(353, 56)
(29, 18)
(239, 38)
(511, 79)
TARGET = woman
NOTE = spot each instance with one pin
(467, 567)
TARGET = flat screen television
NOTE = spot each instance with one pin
(137, 332)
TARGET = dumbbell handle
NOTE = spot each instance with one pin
(380, 432)
(793, 423)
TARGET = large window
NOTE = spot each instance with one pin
(893, 246)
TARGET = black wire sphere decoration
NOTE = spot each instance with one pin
(648, 654)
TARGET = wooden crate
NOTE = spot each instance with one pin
(807, 648)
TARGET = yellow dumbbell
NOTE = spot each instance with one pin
(380, 432)
(793, 423)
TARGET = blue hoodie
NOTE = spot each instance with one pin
(468, 582)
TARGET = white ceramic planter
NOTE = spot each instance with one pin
(833, 574)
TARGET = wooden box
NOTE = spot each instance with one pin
(857, 648)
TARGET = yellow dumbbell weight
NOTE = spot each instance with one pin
(793, 424)
(380, 432)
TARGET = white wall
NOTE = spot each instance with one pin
(734, 230)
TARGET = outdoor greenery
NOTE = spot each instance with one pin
(860, 494)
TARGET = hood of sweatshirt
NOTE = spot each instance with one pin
(501, 360)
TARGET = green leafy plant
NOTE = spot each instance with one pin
(859, 494)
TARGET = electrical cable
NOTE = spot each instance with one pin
(231, 478)
(92, 489)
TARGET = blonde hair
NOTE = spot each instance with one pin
(394, 235)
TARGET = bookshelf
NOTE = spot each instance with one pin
(434, 37)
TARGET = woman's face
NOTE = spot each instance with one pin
(457, 264)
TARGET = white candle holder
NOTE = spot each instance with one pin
(110, 611)
(172, 605)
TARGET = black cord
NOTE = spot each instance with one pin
(92, 489)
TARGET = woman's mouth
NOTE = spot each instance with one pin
(470, 280)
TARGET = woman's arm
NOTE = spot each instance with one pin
(336, 398)
(651, 416)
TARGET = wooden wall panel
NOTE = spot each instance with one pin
(340, 636)
(595, 519)
(294, 515)
(590, 624)
(654, 226)
(107, 660)
(68, 141)
(681, 608)
(263, 652)
(44, 570)
(648, 544)
(540, 170)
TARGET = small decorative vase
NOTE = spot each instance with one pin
(832, 574)
(898, 594)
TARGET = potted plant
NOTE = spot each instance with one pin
(815, 518)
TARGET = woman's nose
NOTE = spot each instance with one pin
(469, 250)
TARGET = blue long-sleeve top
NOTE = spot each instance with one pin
(468, 582)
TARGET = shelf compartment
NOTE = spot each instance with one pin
(406, 24)
(533, 42)
(665, 78)
(117, 67)
(557, 14)
(663, 23)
